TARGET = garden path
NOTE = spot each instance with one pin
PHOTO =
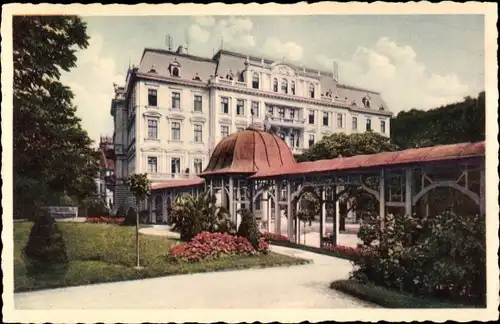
(304, 286)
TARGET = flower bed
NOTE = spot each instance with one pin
(273, 237)
(106, 220)
(212, 246)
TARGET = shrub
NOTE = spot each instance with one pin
(97, 209)
(248, 228)
(130, 217)
(120, 212)
(211, 246)
(424, 256)
(192, 215)
(144, 216)
(46, 246)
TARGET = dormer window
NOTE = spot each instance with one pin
(311, 90)
(175, 71)
(152, 70)
(275, 85)
(366, 102)
(329, 93)
(255, 81)
(284, 86)
(174, 68)
(196, 77)
(381, 108)
(230, 75)
(292, 87)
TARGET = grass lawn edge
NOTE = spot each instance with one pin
(181, 269)
(390, 298)
(311, 249)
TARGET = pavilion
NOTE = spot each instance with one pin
(255, 169)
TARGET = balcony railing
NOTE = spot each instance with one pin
(171, 176)
(233, 83)
(287, 121)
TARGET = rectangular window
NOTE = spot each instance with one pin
(224, 104)
(152, 97)
(175, 165)
(382, 126)
(240, 107)
(270, 110)
(281, 112)
(152, 129)
(176, 100)
(368, 124)
(311, 117)
(198, 133)
(176, 131)
(292, 140)
(292, 113)
(340, 122)
(198, 104)
(311, 140)
(152, 164)
(255, 109)
(325, 118)
(354, 123)
(197, 164)
(224, 131)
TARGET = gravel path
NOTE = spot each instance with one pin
(304, 286)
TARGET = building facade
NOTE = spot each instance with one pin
(175, 108)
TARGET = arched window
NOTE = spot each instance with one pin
(275, 85)
(292, 87)
(175, 71)
(255, 81)
(284, 86)
(311, 90)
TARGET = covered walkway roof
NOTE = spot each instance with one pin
(415, 156)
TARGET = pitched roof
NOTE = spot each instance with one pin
(416, 155)
(170, 184)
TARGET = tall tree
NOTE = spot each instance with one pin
(454, 123)
(52, 153)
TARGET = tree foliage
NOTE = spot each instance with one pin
(454, 123)
(139, 185)
(341, 144)
(192, 215)
(52, 153)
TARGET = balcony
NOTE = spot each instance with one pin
(233, 83)
(287, 121)
(160, 176)
(298, 150)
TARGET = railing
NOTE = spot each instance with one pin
(298, 150)
(233, 83)
(171, 176)
(287, 121)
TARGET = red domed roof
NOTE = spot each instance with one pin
(249, 151)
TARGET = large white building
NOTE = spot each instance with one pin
(175, 108)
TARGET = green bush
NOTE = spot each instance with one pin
(66, 201)
(248, 228)
(46, 247)
(191, 215)
(144, 216)
(97, 209)
(423, 256)
(130, 217)
(120, 212)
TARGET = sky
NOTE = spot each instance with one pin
(415, 61)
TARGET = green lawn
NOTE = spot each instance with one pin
(104, 253)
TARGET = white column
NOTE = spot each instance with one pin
(277, 213)
(322, 218)
(264, 209)
(382, 198)
(337, 214)
(289, 210)
(408, 191)
(231, 200)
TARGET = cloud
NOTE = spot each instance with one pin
(196, 33)
(395, 71)
(236, 32)
(205, 21)
(92, 83)
(276, 48)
